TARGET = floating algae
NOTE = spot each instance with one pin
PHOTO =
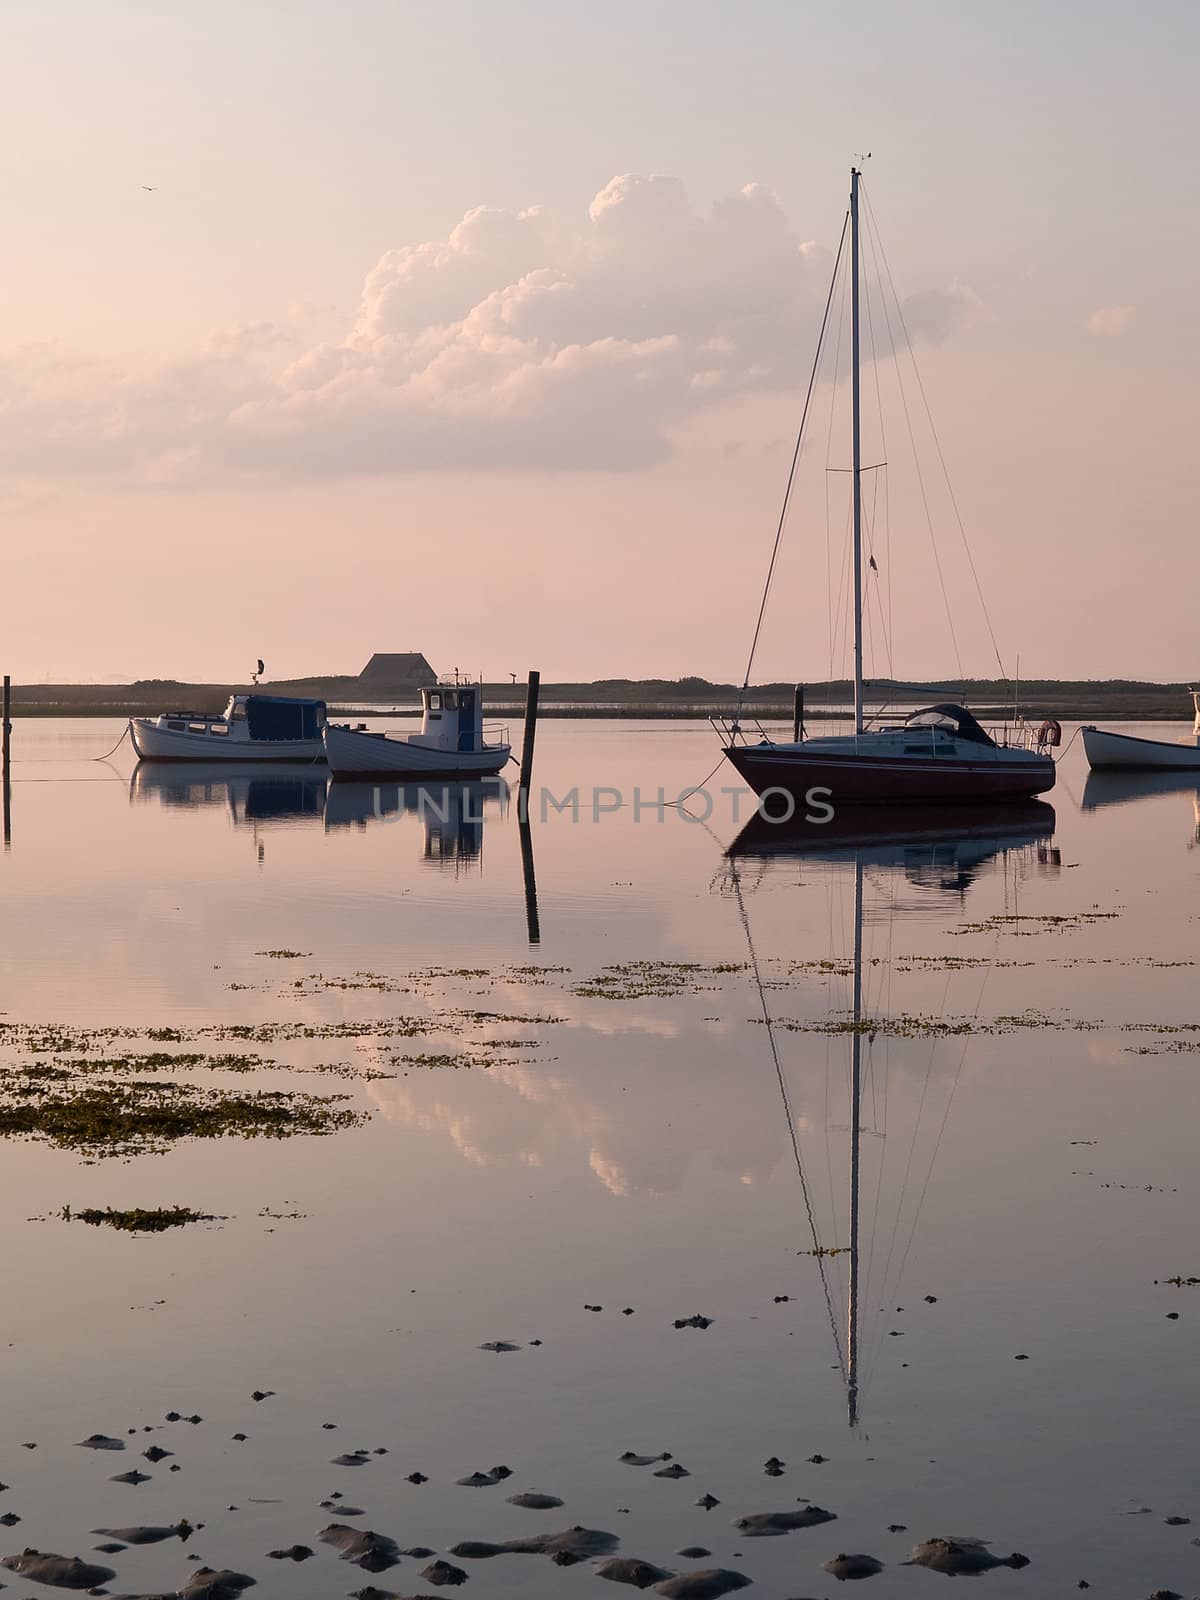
(661, 980)
(138, 1219)
(110, 1118)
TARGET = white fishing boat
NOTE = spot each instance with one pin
(452, 743)
(252, 727)
(1132, 753)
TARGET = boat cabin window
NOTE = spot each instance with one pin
(175, 727)
(220, 728)
(435, 702)
(197, 727)
(451, 700)
(932, 719)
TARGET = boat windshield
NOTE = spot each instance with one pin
(956, 720)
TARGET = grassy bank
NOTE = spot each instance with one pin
(1067, 699)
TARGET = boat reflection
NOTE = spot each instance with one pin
(452, 814)
(1105, 789)
(868, 858)
(283, 793)
(1123, 788)
(940, 851)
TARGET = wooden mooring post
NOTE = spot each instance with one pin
(5, 759)
(527, 743)
(798, 714)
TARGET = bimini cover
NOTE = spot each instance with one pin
(955, 719)
(270, 716)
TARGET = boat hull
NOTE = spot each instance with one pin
(1127, 752)
(372, 755)
(164, 744)
(859, 778)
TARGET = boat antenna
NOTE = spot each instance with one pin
(791, 477)
(856, 412)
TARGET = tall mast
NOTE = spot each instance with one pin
(857, 431)
(855, 1145)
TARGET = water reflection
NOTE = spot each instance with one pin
(1104, 789)
(248, 794)
(1122, 788)
(451, 815)
(873, 853)
(938, 851)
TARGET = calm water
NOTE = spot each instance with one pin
(605, 1118)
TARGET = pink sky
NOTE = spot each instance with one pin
(512, 382)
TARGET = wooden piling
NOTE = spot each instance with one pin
(5, 760)
(527, 742)
(798, 714)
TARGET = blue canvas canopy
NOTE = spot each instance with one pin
(270, 716)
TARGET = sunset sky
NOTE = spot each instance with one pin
(481, 329)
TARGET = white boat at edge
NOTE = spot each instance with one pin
(253, 727)
(1130, 752)
(452, 742)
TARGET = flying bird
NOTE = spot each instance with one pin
(150, 188)
(872, 564)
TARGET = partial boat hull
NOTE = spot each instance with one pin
(166, 744)
(371, 755)
(859, 778)
(1130, 753)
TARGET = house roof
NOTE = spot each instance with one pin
(397, 667)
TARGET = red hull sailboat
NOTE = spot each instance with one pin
(940, 753)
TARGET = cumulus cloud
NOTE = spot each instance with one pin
(1109, 321)
(516, 342)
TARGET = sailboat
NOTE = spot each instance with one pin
(938, 753)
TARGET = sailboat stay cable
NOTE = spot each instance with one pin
(876, 243)
(768, 1021)
(791, 477)
(938, 447)
(885, 623)
(833, 615)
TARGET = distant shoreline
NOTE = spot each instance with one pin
(649, 700)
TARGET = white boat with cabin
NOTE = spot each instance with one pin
(453, 741)
(252, 727)
(1131, 753)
